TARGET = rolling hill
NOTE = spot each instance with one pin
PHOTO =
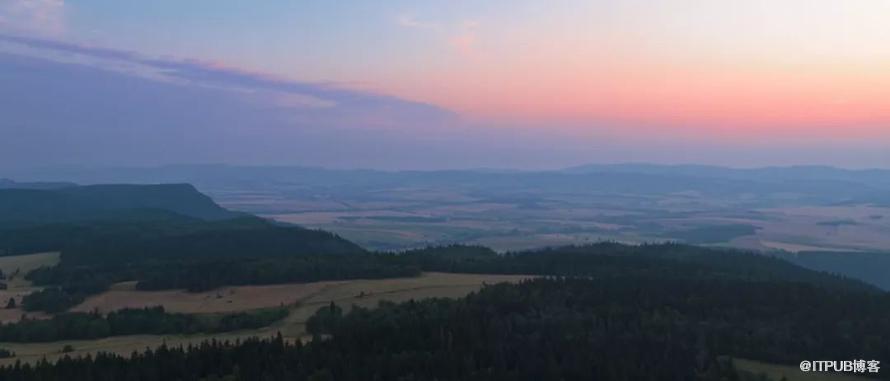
(30, 206)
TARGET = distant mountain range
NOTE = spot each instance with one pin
(805, 184)
(220, 172)
(10, 184)
(874, 177)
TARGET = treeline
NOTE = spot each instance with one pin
(649, 328)
(638, 328)
(242, 238)
(145, 235)
(151, 321)
(52, 300)
(18, 238)
(161, 250)
(67, 285)
(256, 359)
(208, 275)
(615, 260)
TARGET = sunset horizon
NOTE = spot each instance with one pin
(444, 190)
(604, 82)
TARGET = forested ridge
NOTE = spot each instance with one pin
(154, 236)
(164, 251)
(604, 311)
(616, 260)
(645, 328)
(130, 321)
(649, 312)
(68, 284)
(71, 203)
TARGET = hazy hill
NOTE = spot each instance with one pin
(81, 203)
(10, 184)
(809, 184)
(877, 178)
(246, 237)
(127, 223)
(866, 266)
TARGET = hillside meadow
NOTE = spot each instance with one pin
(302, 300)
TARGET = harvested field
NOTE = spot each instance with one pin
(14, 268)
(304, 299)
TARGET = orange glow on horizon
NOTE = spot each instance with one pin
(756, 69)
(740, 101)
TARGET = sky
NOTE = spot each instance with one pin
(445, 84)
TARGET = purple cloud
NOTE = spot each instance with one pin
(350, 104)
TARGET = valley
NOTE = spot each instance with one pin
(400, 222)
(508, 190)
(152, 274)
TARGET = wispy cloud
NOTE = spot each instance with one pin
(410, 21)
(460, 36)
(464, 42)
(85, 104)
(279, 91)
(33, 17)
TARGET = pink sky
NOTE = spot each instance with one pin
(679, 67)
(676, 80)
